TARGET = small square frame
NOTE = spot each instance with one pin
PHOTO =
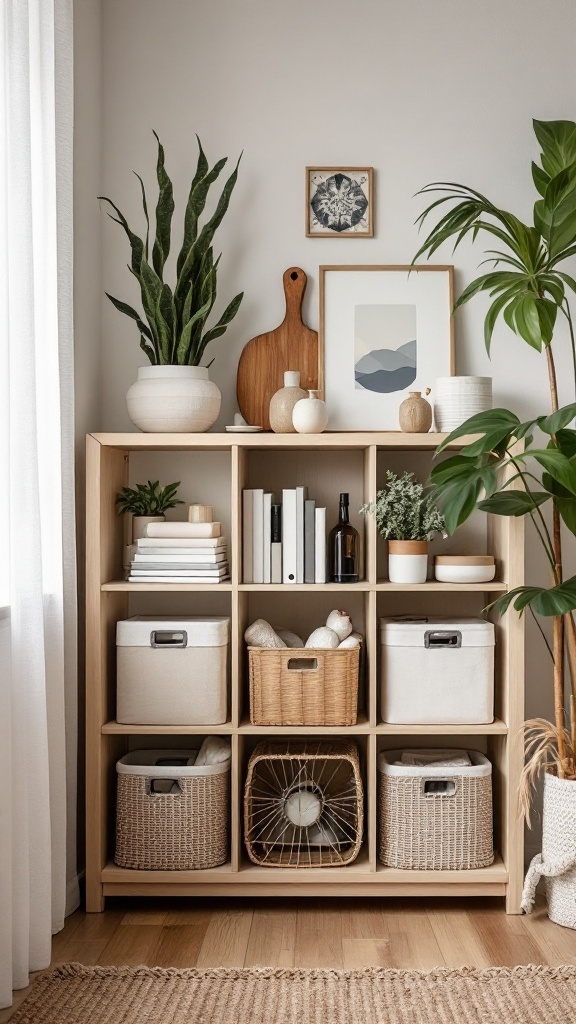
(366, 183)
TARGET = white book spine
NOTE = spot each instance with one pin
(258, 535)
(247, 530)
(182, 530)
(266, 538)
(289, 536)
(205, 543)
(276, 563)
(300, 499)
(320, 546)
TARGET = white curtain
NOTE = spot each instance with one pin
(37, 551)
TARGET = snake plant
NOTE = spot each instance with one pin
(174, 328)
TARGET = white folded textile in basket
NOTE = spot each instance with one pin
(437, 758)
(214, 750)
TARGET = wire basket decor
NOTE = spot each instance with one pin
(303, 804)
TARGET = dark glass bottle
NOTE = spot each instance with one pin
(343, 548)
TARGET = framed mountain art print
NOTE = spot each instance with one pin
(383, 331)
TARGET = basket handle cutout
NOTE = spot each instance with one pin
(302, 664)
(443, 639)
(168, 638)
(439, 787)
(165, 787)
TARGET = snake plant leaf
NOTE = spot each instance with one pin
(136, 243)
(146, 215)
(482, 422)
(227, 316)
(123, 307)
(514, 503)
(185, 337)
(164, 211)
(149, 350)
(194, 208)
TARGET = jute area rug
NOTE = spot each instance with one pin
(73, 994)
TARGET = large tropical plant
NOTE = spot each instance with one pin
(176, 329)
(515, 468)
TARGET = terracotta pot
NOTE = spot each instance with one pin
(407, 561)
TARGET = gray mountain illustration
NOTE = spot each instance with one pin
(386, 370)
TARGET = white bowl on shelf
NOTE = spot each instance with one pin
(464, 568)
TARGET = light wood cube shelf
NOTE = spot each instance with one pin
(328, 464)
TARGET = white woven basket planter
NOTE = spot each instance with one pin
(557, 862)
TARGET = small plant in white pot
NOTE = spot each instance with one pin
(408, 519)
(147, 503)
(174, 393)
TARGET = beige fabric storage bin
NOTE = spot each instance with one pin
(436, 671)
(435, 818)
(172, 670)
(171, 815)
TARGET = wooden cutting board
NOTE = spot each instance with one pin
(292, 346)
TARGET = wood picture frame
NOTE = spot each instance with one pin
(374, 301)
(324, 184)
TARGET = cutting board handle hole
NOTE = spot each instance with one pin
(293, 276)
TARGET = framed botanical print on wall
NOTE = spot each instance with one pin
(383, 330)
(339, 202)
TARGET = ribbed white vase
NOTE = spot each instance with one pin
(173, 399)
(456, 399)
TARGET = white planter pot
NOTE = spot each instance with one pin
(139, 524)
(456, 399)
(173, 399)
(407, 561)
(557, 863)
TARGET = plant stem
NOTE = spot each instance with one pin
(558, 635)
(568, 316)
(544, 637)
(545, 534)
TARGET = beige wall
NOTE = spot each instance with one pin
(421, 90)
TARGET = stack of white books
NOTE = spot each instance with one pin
(180, 553)
(282, 543)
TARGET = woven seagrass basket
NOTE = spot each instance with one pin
(171, 816)
(435, 819)
(303, 686)
(303, 804)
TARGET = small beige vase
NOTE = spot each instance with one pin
(283, 402)
(415, 413)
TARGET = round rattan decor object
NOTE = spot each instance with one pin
(303, 804)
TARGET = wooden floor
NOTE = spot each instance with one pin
(341, 934)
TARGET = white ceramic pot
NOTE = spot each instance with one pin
(456, 399)
(173, 399)
(407, 561)
(310, 415)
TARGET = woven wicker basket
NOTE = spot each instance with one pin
(327, 778)
(435, 819)
(171, 818)
(303, 686)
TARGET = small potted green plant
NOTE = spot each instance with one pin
(147, 503)
(408, 519)
(175, 393)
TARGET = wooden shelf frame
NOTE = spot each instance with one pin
(108, 599)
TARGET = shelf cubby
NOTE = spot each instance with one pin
(213, 469)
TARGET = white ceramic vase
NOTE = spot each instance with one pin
(407, 561)
(283, 401)
(173, 399)
(310, 415)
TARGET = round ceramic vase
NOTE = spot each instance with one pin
(282, 403)
(415, 414)
(407, 561)
(464, 568)
(310, 415)
(173, 399)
